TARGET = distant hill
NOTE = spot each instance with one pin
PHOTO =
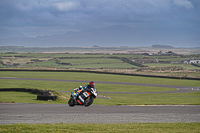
(113, 36)
(5, 34)
(118, 35)
(162, 46)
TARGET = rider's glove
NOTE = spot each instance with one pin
(76, 89)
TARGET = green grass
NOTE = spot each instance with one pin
(97, 63)
(25, 97)
(99, 66)
(175, 74)
(83, 63)
(76, 63)
(99, 77)
(103, 128)
(35, 55)
(192, 98)
(91, 61)
(2, 66)
(17, 97)
(50, 63)
(98, 55)
(116, 99)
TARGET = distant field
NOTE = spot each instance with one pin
(91, 61)
(21, 49)
(99, 77)
(185, 66)
(84, 63)
(116, 99)
(97, 63)
(115, 62)
(50, 63)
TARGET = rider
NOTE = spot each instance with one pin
(88, 86)
(79, 88)
(77, 91)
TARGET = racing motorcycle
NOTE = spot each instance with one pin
(86, 97)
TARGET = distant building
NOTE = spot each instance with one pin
(170, 53)
(193, 61)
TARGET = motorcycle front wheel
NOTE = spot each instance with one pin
(89, 101)
(71, 102)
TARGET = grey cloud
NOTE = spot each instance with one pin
(67, 5)
(81, 14)
(184, 3)
(71, 10)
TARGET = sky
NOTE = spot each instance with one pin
(49, 17)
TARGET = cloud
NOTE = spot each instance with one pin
(107, 10)
(183, 3)
(67, 5)
(81, 14)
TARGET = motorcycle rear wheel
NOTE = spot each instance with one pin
(89, 101)
(71, 102)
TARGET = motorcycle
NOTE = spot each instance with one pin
(86, 96)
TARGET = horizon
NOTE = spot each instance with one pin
(105, 47)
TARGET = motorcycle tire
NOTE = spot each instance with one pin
(89, 101)
(71, 102)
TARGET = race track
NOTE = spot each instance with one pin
(180, 89)
(62, 113)
(103, 82)
(11, 113)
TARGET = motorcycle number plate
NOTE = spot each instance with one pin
(86, 94)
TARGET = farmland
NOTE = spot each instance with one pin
(135, 61)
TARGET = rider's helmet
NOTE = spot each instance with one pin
(80, 87)
(92, 84)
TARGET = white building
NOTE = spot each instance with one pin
(191, 62)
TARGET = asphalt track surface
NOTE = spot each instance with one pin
(62, 113)
(11, 113)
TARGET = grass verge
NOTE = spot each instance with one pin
(102, 128)
(25, 97)
(116, 99)
(192, 98)
(99, 77)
